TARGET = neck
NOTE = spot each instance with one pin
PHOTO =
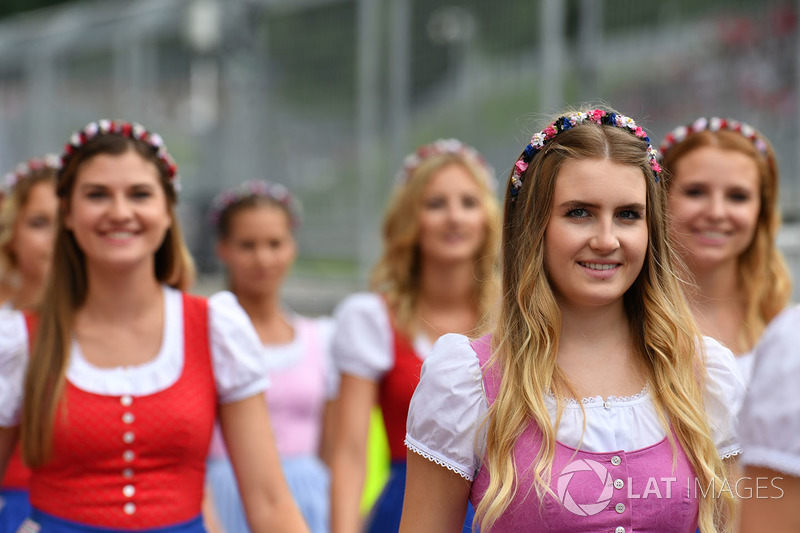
(715, 287)
(447, 286)
(597, 326)
(119, 295)
(26, 296)
(261, 308)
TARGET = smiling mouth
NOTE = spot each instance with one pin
(599, 266)
(120, 234)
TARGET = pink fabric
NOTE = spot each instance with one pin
(620, 490)
(295, 399)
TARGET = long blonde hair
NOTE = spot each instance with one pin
(67, 290)
(762, 273)
(526, 338)
(396, 274)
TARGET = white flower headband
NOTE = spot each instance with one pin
(256, 189)
(714, 124)
(132, 130)
(441, 147)
(567, 122)
(24, 169)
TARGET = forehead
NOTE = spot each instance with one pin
(714, 165)
(451, 177)
(259, 221)
(600, 181)
(125, 169)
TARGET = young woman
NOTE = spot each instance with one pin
(595, 405)
(28, 207)
(722, 185)
(126, 373)
(770, 431)
(435, 276)
(255, 224)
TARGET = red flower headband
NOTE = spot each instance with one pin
(24, 169)
(713, 124)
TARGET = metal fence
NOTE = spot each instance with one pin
(327, 96)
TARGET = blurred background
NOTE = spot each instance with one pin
(328, 96)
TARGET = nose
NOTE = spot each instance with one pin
(716, 207)
(263, 255)
(120, 208)
(604, 239)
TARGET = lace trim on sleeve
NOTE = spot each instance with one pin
(419, 450)
(732, 453)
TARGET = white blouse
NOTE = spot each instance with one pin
(363, 344)
(770, 417)
(450, 404)
(283, 356)
(236, 355)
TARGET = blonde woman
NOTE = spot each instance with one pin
(28, 207)
(595, 405)
(435, 276)
(722, 185)
(126, 372)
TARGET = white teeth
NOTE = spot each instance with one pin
(120, 234)
(599, 266)
(713, 234)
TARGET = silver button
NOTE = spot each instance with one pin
(620, 508)
(128, 437)
(126, 400)
(128, 456)
(619, 529)
(128, 418)
(128, 491)
(129, 508)
(618, 484)
(607, 404)
(616, 460)
(127, 473)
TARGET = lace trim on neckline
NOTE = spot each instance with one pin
(599, 400)
(730, 454)
(436, 460)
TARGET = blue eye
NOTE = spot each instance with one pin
(630, 214)
(578, 213)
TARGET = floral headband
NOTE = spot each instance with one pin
(598, 116)
(713, 124)
(256, 189)
(24, 169)
(442, 147)
(132, 130)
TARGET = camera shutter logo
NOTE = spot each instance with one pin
(603, 480)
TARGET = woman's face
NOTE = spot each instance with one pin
(259, 250)
(118, 210)
(596, 238)
(713, 206)
(34, 233)
(452, 219)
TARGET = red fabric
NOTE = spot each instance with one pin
(395, 392)
(85, 479)
(18, 475)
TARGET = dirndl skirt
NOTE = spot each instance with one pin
(308, 479)
(14, 509)
(385, 515)
(39, 522)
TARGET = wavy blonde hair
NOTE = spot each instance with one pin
(396, 274)
(526, 338)
(762, 273)
(67, 289)
(10, 207)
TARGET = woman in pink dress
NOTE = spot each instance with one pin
(595, 405)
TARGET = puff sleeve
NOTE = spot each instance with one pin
(236, 351)
(770, 417)
(13, 363)
(448, 407)
(362, 343)
(723, 396)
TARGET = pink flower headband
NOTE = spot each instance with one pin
(24, 169)
(256, 189)
(597, 116)
(132, 130)
(442, 147)
(713, 124)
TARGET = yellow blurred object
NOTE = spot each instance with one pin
(378, 460)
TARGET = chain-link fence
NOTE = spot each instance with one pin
(327, 96)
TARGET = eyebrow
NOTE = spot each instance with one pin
(91, 185)
(575, 204)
